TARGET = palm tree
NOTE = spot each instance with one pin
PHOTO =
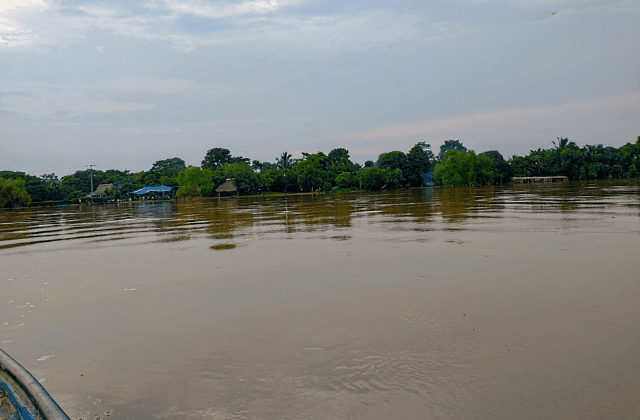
(562, 143)
(284, 162)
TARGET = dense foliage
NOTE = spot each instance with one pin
(588, 162)
(460, 168)
(454, 165)
(12, 192)
(195, 181)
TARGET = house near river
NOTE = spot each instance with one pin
(160, 192)
(228, 186)
(102, 190)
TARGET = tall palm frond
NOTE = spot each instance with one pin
(284, 162)
(562, 143)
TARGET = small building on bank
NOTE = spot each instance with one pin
(102, 190)
(155, 193)
(228, 186)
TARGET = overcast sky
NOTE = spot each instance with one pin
(123, 84)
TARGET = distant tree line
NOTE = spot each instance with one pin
(50, 188)
(335, 171)
(314, 172)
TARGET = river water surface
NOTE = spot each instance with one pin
(466, 303)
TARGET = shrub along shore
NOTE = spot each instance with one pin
(332, 172)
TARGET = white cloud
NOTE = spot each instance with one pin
(14, 18)
(22, 6)
(58, 25)
(47, 105)
(36, 23)
(221, 10)
(100, 48)
(322, 34)
(63, 24)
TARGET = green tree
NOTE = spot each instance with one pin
(51, 180)
(562, 143)
(500, 167)
(631, 158)
(309, 173)
(483, 167)
(370, 178)
(448, 145)
(338, 161)
(169, 165)
(262, 166)
(165, 172)
(392, 178)
(521, 166)
(393, 160)
(345, 180)
(13, 191)
(460, 168)
(274, 180)
(338, 155)
(419, 161)
(195, 181)
(266, 179)
(216, 158)
(285, 161)
(43, 188)
(81, 181)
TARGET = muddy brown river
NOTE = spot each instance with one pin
(467, 303)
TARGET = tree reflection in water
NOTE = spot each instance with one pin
(14, 224)
(460, 203)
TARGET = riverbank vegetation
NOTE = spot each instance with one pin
(335, 171)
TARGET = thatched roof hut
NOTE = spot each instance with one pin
(102, 189)
(227, 186)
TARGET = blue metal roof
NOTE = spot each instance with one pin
(161, 188)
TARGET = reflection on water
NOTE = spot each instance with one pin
(462, 303)
(229, 218)
(13, 224)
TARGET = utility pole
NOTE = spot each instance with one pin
(91, 167)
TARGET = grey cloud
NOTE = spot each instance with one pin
(319, 35)
(162, 86)
(181, 87)
(342, 32)
(49, 105)
(343, 73)
(17, 93)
